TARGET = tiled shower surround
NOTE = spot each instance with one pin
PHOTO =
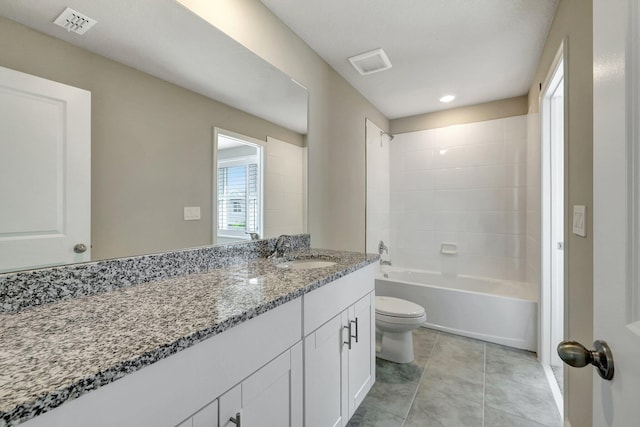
(463, 184)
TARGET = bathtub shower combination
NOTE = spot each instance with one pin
(498, 311)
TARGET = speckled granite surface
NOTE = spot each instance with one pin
(34, 287)
(54, 352)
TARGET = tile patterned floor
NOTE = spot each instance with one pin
(459, 382)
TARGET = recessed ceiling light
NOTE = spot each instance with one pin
(447, 98)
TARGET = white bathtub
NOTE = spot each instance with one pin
(492, 310)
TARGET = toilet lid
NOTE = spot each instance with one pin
(397, 307)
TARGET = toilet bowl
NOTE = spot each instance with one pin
(395, 319)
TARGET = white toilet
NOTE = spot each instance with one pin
(395, 319)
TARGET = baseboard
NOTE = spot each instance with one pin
(508, 342)
(555, 389)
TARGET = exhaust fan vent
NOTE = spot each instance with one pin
(73, 21)
(371, 62)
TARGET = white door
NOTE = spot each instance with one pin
(616, 215)
(553, 131)
(45, 181)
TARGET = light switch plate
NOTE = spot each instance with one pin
(580, 220)
(191, 213)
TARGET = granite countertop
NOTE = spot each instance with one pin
(58, 351)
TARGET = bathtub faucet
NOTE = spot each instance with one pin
(384, 262)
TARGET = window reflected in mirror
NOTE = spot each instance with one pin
(239, 188)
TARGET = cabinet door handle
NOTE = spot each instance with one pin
(348, 328)
(356, 322)
(236, 420)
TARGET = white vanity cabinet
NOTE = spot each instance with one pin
(206, 417)
(339, 369)
(308, 362)
(262, 356)
(270, 397)
(362, 355)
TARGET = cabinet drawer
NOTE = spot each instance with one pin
(324, 303)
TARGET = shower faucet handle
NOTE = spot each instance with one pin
(382, 248)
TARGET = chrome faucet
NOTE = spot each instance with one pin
(254, 236)
(282, 245)
(383, 248)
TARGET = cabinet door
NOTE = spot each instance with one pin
(325, 369)
(362, 354)
(271, 397)
(207, 416)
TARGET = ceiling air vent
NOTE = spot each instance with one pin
(73, 21)
(371, 62)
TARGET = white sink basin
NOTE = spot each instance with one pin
(305, 264)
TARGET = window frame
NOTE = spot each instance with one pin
(244, 161)
(260, 155)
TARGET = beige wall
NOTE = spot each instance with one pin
(151, 144)
(573, 21)
(285, 188)
(502, 108)
(337, 114)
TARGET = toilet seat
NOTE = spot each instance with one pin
(389, 307)
(399, 321)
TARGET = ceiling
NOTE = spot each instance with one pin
(478, 50)
(166, 40)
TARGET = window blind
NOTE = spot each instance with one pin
(238, 198)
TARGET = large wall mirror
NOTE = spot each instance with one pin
(163, 85)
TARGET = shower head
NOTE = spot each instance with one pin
(388, 134)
